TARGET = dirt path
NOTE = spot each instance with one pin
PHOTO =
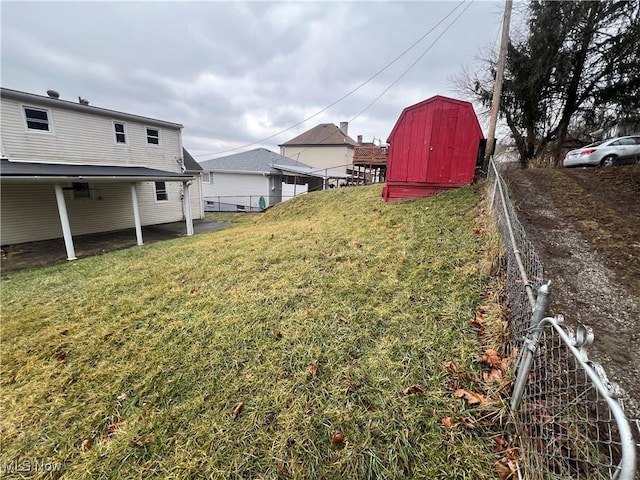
(585, 224)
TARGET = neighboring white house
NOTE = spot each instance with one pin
(69, 169)
(324, 146)
(257, 179)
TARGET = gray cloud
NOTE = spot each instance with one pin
(234, 72)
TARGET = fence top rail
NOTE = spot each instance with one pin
(514, 246)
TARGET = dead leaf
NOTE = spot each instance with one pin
(495, 375)
(134, 442)
(512, 454)
(413, 389)
(504, 472)
(283, 469)
(472, 398)
(337, 437)
(478, 320)
(236, 411)
(478, 230)
(451, 367)
(61, 356)
(86, 445)
(111, 430)
(500, 443)
(278, 335)
(492, 358)
(446, 421)
(313, 368)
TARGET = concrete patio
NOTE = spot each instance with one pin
(51, 252)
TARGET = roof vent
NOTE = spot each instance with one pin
(53, 94)
(83, 101)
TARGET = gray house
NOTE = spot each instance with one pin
(254, 180)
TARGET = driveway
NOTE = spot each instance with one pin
(50, 252)
(585, 224)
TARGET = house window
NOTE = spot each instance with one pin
(153, 136)
(207, 177)
(37, 119)
(161, 192)
(120, 130)
(81, 190)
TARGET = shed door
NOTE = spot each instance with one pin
(443, 143)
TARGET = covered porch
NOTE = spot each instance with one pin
(45, 201)
(319, 178)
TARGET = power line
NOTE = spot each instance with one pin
(413, 64)
(348, 93)
(401, 75)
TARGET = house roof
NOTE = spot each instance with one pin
(66, 104)
(190, 165)
(263, 161)
(325, 134)
(259, 160)
(12, 170)
(435, 99)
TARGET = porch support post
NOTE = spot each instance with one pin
(187, 209)
(64, 221)
(136, 213)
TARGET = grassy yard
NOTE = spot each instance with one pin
(241, 353)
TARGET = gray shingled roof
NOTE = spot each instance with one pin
(259, 160)
(190, 165)
(323, 134)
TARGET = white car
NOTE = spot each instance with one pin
(615, 151)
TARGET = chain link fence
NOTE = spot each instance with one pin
(569, 421)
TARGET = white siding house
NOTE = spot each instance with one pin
(254, 180)
(72, 169)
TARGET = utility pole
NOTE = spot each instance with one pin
(497, 86)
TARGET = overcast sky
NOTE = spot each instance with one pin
(234, 72)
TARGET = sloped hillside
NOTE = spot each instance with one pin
(307, 343)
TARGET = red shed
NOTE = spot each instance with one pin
(433, 146)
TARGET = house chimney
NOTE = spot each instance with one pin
(344, 128)
(53, 94)
(83, 101)
(359, 139)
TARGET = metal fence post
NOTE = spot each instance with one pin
(530, 345)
